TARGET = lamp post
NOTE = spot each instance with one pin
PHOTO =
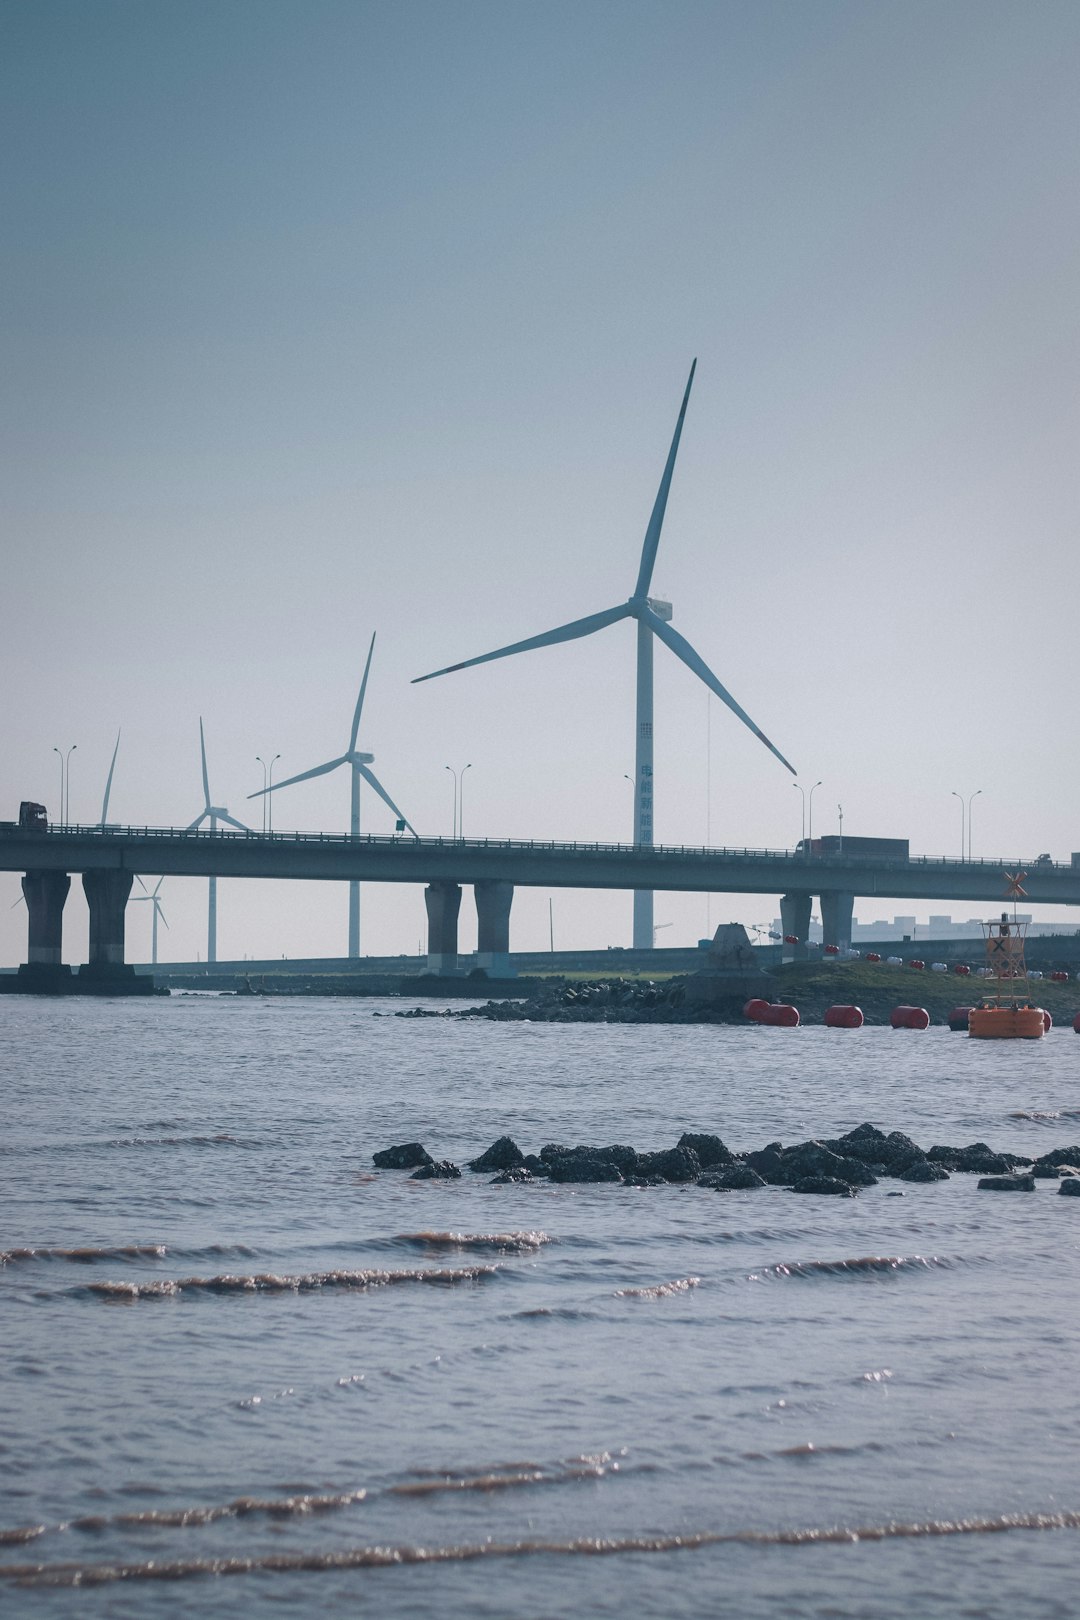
(802, 794)
(459, 784)
(810, 817)
(461, 802)
(840, 813)
(65, 782)
(453, 773)
(960, 796)
(971, 796)
(268, 791)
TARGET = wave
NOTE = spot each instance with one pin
(268, 1282)
(86, 1254)
(79, 1574)
(678, 1285)
(873, 1264)
(505, 1242)
(1046, 1113)
(510, 1477)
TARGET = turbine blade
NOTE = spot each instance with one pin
(205, 775)
(108, 782)
(157, 887)
(223, 815)
(197, 823)
(161, 914)
(360, 700)
(550, 638)
(142, 886)
(318, 770)
(373, 781)
(656, 522)
(21, 901)
(682, 649)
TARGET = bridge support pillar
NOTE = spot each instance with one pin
(795, 919)
(836, 909)
(106, 895)
(45, 893)
(443, 901)
(493, 901)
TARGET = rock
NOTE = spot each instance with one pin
(501, 1155)
(515, 1172)
(769, 1163)
(402, 1157)
(673, 1164)
(644, 1181)
(1065, 1155)
(1049, 1172)
(824, 1184)
(1008, 1183)
(808, 1159)
(734, 1178)
(977, 1158)
(583, 1167)
(709, 1149)
(1070, 1185)
(887, 1155)
(536, 1164)
(436, 1170)
(923, 1170)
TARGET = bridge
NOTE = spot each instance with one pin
(109, 858)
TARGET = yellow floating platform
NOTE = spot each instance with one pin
(1006, 1023)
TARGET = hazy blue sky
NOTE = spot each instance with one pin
(322, 318)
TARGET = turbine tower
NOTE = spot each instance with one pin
(212, 813)
(153, 896)
(358, 764)
(653, 620)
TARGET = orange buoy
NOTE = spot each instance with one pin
(1076, 1023)
(1048, 1022)
(909, 1018)
(778, 1013)
(1001, 1022)
(958, 1018)
(844, 1018)
(754, 1008)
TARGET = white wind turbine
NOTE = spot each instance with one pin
(212, 813)
(152, 896)
(108, 782)
(358, 765)
(652, 620)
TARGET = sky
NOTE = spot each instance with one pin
(322, 319)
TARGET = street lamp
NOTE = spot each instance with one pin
(459, 785)
(960, 796)
(461, 802)
(810, 817)
(65, 782)
(840, 812)
(971, 796)
(268, 791)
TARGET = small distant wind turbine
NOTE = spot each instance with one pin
(152, 896)
(358, 764)
(212, 813)
(652, 620)
(108, 781)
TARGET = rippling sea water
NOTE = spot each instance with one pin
(522, 1400)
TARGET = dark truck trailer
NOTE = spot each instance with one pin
(887, 849)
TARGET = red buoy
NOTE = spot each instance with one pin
(962, 968)
(754, 1008)
(779, 1014)
(958, 1018)
(909, 1018)
(791, 939)
(916, 962)
(1076, 1023)
(832, 950)
(1060, 977)
(844, 1018)
(873, 956)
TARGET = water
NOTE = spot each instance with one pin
(681, 1380)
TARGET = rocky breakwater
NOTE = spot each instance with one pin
(611, 1001)
(832, 1166)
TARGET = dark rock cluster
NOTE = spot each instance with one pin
(834, 1166)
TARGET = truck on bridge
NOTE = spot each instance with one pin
(877, 849)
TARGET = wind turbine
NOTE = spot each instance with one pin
(212, 813)
(152, 896)
(108, 782)
(358, 764)
(653, 620)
